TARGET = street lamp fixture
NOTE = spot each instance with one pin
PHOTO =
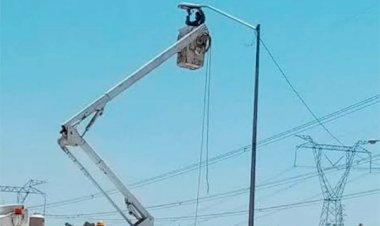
(186, 5)
(366, 142)
(372, 141)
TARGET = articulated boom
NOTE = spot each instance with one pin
(71, 137)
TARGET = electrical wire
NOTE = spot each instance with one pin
(319, 194)
(204, 134)
(208, 68)
(234, 153)
(297, 93)
(274, 184)
(234, 213)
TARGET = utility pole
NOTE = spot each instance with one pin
(251, 219)
(332, 190)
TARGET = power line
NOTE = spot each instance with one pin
(233, 193)
(245, 190)
(234, 153)
(283, 206)
(235, 213)
(314, 196)
(330, 117)
(297, 93)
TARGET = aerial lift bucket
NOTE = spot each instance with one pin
(192, 56)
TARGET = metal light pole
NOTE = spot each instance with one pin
(251, 219)
(256, 28)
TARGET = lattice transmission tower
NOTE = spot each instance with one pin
(333, 187)
(24, 191)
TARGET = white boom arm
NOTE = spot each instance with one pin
(70, 135)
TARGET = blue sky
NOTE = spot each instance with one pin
(58, 56)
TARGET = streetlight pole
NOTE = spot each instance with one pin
(256, 28)
(251, 219)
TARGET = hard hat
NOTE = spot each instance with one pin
(100, 223)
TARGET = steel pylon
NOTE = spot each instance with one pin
(332, 209)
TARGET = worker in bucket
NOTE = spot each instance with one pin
(200, 18)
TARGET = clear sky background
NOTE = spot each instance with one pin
(58, 56)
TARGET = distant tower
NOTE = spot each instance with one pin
(29, 188)
(332, 209)
(24, 191)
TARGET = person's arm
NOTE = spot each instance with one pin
(188, 17)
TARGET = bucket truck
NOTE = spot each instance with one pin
(191, 47)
